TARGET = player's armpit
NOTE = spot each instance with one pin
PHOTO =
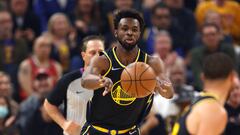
(91, 78)
(164, 86)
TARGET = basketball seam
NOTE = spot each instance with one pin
(143, 80)
(130, 80)
(136, 81)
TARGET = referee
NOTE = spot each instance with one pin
(68, 90)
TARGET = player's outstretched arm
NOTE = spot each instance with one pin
(164, 86)
(93, 76)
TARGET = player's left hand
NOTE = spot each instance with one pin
(106, 83)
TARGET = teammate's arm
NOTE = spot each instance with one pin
(208, 118)
(93, 78)
(164, 86)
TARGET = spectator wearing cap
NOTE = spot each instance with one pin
(39, 60)
(69, 91)
(32, 118)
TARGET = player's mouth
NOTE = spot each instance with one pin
(129, 41)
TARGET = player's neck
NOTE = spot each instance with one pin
(126, 57)
(218, 89)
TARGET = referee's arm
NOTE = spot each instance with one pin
(56, 98)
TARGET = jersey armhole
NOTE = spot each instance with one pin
(110, 63)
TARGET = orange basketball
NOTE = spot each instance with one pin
(138, 80)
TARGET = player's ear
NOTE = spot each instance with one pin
(83, 54)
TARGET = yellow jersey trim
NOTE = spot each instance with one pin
(86, 130)
(112, 132)
(110, 63)
(146, 57)
(122, 65)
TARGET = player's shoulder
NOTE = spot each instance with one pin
(210, 108)
(155, 62)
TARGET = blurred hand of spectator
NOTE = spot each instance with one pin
(171, 59)
(81, 25)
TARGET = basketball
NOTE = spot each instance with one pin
(138, 80)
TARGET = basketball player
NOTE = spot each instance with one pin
(206, 115)
(111, 111)
(69, 91)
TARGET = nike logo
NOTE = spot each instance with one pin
(132, 132)
(116, 68)
(79, 92)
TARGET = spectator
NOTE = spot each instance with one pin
(39, 60)
(229, 11)
(32, 118)
(163, 48)
(233, 109)
(6, 118)
(46, 8)
(59, 30)
(12, 51)
(147, 5)
(185, 19)
(162, 20)
(215, 18)
(87, 19)
(6, 90)
(211, 39)
(25, 24)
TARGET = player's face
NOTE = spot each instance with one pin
(128, 33)
(93, 47)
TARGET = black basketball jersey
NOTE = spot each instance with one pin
(117, 109)
(180, 127)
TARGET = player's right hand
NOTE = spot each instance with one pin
(107, 83)
(71, 128)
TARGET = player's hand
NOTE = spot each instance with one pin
(71, 128)
(107, 83)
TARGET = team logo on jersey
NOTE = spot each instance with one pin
(119, 96)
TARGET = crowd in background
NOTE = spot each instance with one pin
(40, 40)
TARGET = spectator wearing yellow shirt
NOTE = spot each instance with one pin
(230, 17)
